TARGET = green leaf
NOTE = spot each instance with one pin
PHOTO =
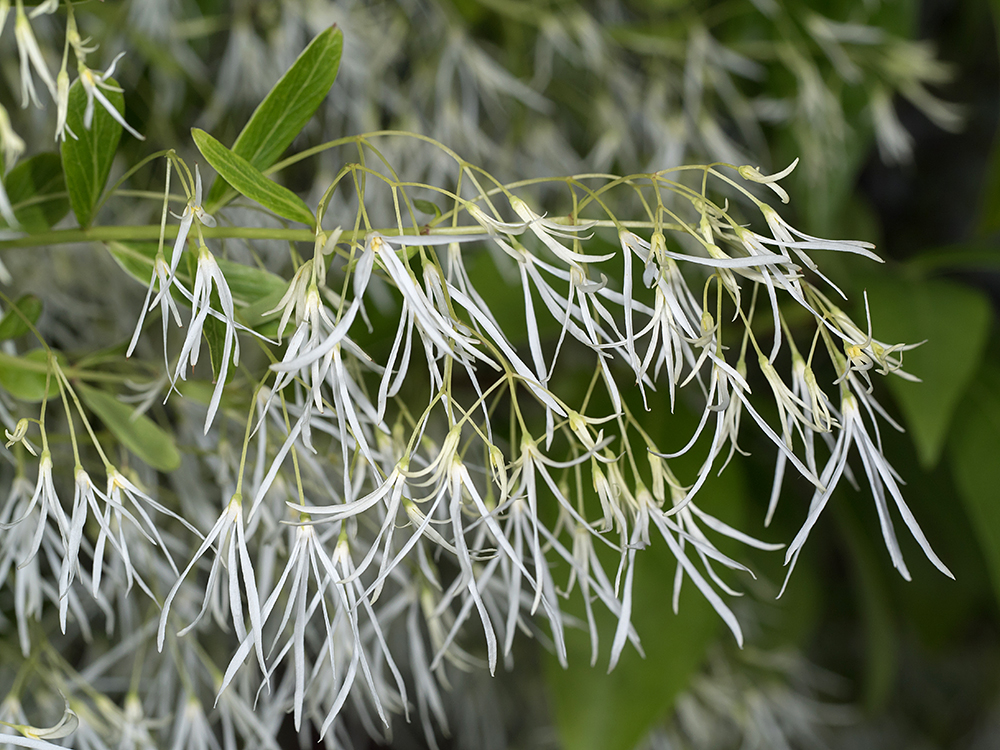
(250, 181)
(973, 451)
(138, 433)
(427, 207)
(12, 325)
(37, 192)
(24, 377)
(214, 331)
(248, 284)
(967, 256)
(595, 710)
(286, 109)
(989, 201)
(954, 320)
(258, 315)
(137, 258)
(873, 595)
(87, 158)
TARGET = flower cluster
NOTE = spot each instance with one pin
(426, 437)
(377, 493)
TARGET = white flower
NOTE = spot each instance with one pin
(310, 349)
(165, 274)
(62, 105)
(192, 730)
(92, 84)
(457, 484)
(193, 210)
(10, 142)
(427, 311)
(391, 491)
(895, 144)
(819, 416)
(48, 501)
(728, 397)
(863, 352)
(547, 231)
(43, 8)
(33, 737)
(646, 511)
(784, 237)
(84, 495)
(882, 478)
(675, 319)
(19, 435)
(161, 274)
(12, 146)
(22, 547)
(31, 56)
(119, 490)
(587, 570)
(208, 275)
(753, 174)
(135, 734)
(233, 557)
(334, 576)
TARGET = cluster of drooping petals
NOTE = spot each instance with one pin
(403, 486)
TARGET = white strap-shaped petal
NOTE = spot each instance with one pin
(416, 240)
(754, 175)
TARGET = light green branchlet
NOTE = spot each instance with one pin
(374, 470)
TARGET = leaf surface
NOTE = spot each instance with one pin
(285, 110)
(87, 158)
(140, 434)
(954, 320)
(37, 192)
(12, 324)
(973, 452)
(250, 181)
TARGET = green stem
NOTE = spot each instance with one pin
(20, 363)
(152, 232)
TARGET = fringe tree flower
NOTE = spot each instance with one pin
(92, 84)
(46, 499)
(167, 276)
(229, 533)
(209, 275)
(119, 489)
(882, 479)
(31, 57)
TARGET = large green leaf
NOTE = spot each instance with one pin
(24, 377)
(248, 284)
(13, 324)
(250, 181)
(37, 192)
(965, 256)
(87, 158)
(973, 451)
(137, 258)
(873, 603)
(989, 208)
(954, 320)
(597, 710)
(138, 433)
(286, 109)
